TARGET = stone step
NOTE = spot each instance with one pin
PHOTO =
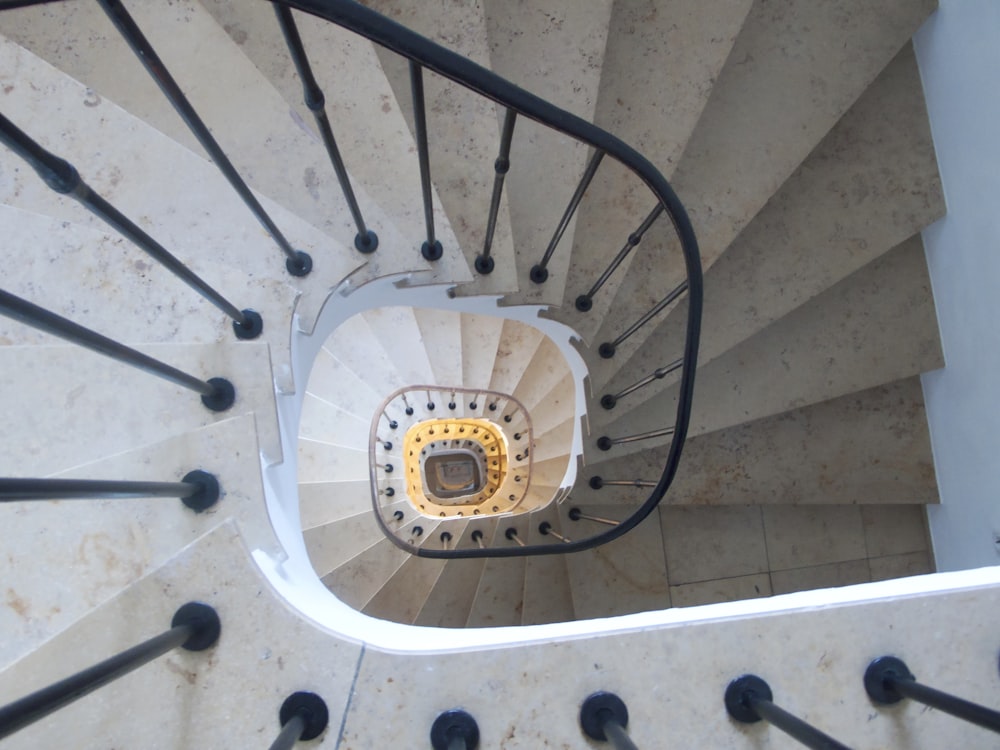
(335, 544)
(337, 383)
(328, 423)
(651, 111)
(499, 599)
(449, 602)
(875, 326)
(441, 333)
(321, 503)
(547, 596)
(845, 205)
(795, 69)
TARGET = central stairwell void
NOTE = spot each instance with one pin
(427, 391)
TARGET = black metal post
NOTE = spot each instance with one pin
(575, 514)
(484, 262)
(63, 178)
(194, 627)
(298, 263)
(748, 699)
(597, 482)
(603, 717)
(545, 529)
(605, 443)
(539, 272)
(454, 730)
(303, 716)
(365, 241)
(586, 301)
(607, 349)
(198, 490)
(431, 250)
(888, 680)
(608, 401)
(217, 394)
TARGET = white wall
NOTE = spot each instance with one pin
(959, 54)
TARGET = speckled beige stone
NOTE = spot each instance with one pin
(323, 502)
(707, 543)
(901, 566)
(441, 334)
(547, 369)
(875, 326)
(337, 383)
(323, 421)
(335, 543)
(626, 575)
(895, 529)
(396, 329)
(869, 185)
(547, 594)
(325, 462)
(720, 590)
(480, 339)
(403, 595)
(515, 351)
(228, 696)
(813, 535)
(555, 441)
(355, 345)
(448, 603)
(499, 596)
(820, 576)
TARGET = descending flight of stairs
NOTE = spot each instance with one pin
(795, 134)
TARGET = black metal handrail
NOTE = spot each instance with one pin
(198, 489)
(888, 680)
(303, 716)
(425, 54)
(194, 627)
(603, 717)
(748, 700)
(297, 262)
(217, 394)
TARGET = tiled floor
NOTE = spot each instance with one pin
(724, 553)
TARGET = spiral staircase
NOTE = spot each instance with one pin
(796, 137)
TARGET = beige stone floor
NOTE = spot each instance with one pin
(716, 554)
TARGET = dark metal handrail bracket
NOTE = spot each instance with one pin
(603, 717)
(748, 700)
(217, 394)
(303, 716)
(297, 262)
(455, 730)
(888, 680)
(424, 54)
(194, 627)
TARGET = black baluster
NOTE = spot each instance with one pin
(217, 394)
(365, 241)
(297, 262)
(455, 730)
(586, 301)
(605, 443)
(748, 699)
(603, 717)
(431, 249)
(484, 261)
(608, 400)
(607, 349)
(539, 272)
(888, 680)
(545, 529)
(597, 483)
(575, 514)
(63, 178)
(198, 489)
(303, 716)
(194, 627)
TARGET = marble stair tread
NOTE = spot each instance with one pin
(873, 327)
(56, 398)
(480, 340)
(554, 50)
(844, 206)
(256, 662)
(337, 383)
(371, 132)
(224, 245)
(324, 462)
(321, 420)
(274, 152)
(93, 549)
(337, 542)
(325, 502)
(547, 369)
(355, 345)
(403, 595)
(462, 133)
(396, 329)
(441, 333)
(550, 472)
(652, 112)
(555, 441)
(499, 599)
(870, 446)
(547, 596)
(449, 601)
(554, 407)
(359, 579)
(620, 577)
(795, 69)
(515, 350)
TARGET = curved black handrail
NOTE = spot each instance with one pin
(453, 66)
